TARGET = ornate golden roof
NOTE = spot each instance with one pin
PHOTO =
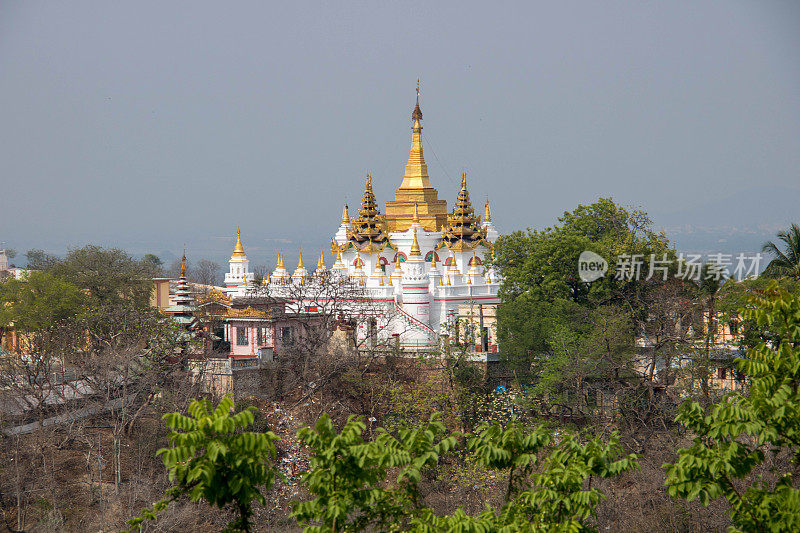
(369, 233)
(238, 250)
(463, 231)
(249, 312)
(213, 296)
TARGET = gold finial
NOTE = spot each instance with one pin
(415, 220)
(263, 279)
(415, 246)
(359, 261)
(416, 174)
(338, 255)
(345, 216)
(469, 280)
(183, 265)
(382, 283)
(464, 180)
(238, 250)
(417, 113)
(378, 265)
(487, 215)
(361, 282)
(300, 261)
(280, 261)
(474, 260)
(448, 281)
(244, 280)
(321, 261)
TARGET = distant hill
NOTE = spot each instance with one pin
(738, 222)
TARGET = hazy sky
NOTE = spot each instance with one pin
(150, 124)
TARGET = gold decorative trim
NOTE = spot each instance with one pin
(249, 312)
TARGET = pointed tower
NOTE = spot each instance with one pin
(416, 187)
(280, 274)
(368, 233)
(300, 273)
(321, 263)
(344, 227)
(487, 226)
(239, 268)
(416, 294)
(183, 310)
(462, 231)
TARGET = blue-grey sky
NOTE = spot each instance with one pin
(147, 125)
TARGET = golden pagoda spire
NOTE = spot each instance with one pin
(183, 265)
(300, 261)
(346, 216)
(263, 279)
(487, 215)
(462, 231)
(238, 250)
(416, 175)
(415, 252)
(415, 220)
(338, 255)
(280, 261)
(321, 261)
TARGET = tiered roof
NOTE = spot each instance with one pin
(368, 233)
(463, 231)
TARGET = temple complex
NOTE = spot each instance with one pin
(417, 262)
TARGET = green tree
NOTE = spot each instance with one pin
(40, 302)
(543, 264)
(39, 259)
(211, 459)
(741, 434)
(786, 262)
(348, 475)
(560, 333)
(549, 485)
(153, 264)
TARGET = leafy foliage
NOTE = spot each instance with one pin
(210, 458)
(550, 492)
(786, 262)
(348, 475)
(734, 437)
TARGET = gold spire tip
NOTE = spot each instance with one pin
(415, 252)
(300, 260)
(238, 250)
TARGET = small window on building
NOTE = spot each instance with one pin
(241, 336)
(287, 335)
(721, 373)
(261, 336)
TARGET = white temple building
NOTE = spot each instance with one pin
(416, 263)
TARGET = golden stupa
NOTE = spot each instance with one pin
(416, 189)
